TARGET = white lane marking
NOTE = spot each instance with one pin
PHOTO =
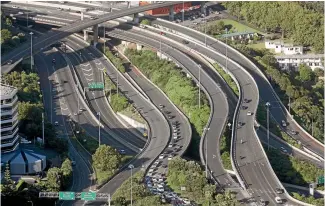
(86, 69)
(50, 12)
(89, 79)
(85, 64)
(88, 74)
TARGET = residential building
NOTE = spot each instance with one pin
(287, 49)
(9, 118)
(21, 161)
(293, 61)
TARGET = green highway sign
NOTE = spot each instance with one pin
(67, 196)
(320, 180)
(96, 85)
(88, 196)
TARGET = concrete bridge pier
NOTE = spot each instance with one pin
(95, 29)
(86, 36)
(128, 4)
(136, 18)
(171, 13)
(82, 16)
(203, 7)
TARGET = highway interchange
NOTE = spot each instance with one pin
(253, 166)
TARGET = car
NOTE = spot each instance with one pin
(195, 23)
(245, 100)
(170, 117)
(293, 132)
(162, 33)
(160, 189)
(93, 18)
(284, 124)
(186, 201)
(60, 9)
(15, 7)
(121, 151)
(20, 12)
(161, 156)
(78, 12)
(156, 162)
(185, 41)
(149, 184)
(279, 190)
(53, 60)
(249, 113)
(164, 166)
(56, 123)
(170, 157)
(240, 123)
(73, 163)
(170, 145)
(174, 127)
(149, 174)
(244, 107)
(75, 114)
(278, 200)
(161, 106)
(262, 202)
(9, 62)
(151, 170)
(175, 130)
(283, 150)
(175, 137)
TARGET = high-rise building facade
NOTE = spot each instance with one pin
(9, 118)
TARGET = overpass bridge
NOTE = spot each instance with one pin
(51, 37)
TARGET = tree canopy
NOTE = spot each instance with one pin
(295, 20)
(106, 158)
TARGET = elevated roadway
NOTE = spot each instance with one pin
(54, 36)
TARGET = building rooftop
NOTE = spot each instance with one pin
(238, 33)
(6, 89)
(300, 56)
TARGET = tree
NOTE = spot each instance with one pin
(145, 22)
(8, 185)
(5, 35)
(228, 199)
(54, 179)
(120, 201)
(8, 22)
(305, 73)
(319, 72)
(66, 170)
(149, 200)
(106, 158)
(119, 102)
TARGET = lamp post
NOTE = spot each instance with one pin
(98, 114)
(226, 49)
(131, 167)
(289, 105)
(104, 39)
(43, 128)
(267, 120)
(199, 65)
(206, 154)
(31, 50)
(229, 125)
(205, 33)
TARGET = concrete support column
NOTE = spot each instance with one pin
(85, 35)
(95, 29)
(203, 7)
(171, 13)
(82, 16)
(129, 4)
(139, 47)
(136, 18)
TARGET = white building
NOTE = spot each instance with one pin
(9, 118)
(287, 49)
(293, 61)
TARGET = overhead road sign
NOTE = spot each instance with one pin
(88, 196)
(67, 196)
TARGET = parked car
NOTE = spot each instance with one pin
(293, 132)
(284, 124)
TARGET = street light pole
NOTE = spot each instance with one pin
(98, 114)
(117, 83)
(226, 49)
(205, 33)
(43, 128)
(104, 40)
(131, 167)
(267, 120)
(289, 105)
(31, 50)
(206, 155)
(200, 86)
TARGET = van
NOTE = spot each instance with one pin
(278, 200)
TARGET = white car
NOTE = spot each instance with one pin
(249, 113)
(278, 200)
(284, 124)
(161, 156)
(15, 7)
(56, 123)
(150, 170)
(174, 126)
(161, 190)
(170, 145)
(175, 130)
(170, 157)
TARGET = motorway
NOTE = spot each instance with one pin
(159, 128)
(254, 168)
(219, 102)
(89, 68)
(56, 96)
(265, 89)
(54, 36)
